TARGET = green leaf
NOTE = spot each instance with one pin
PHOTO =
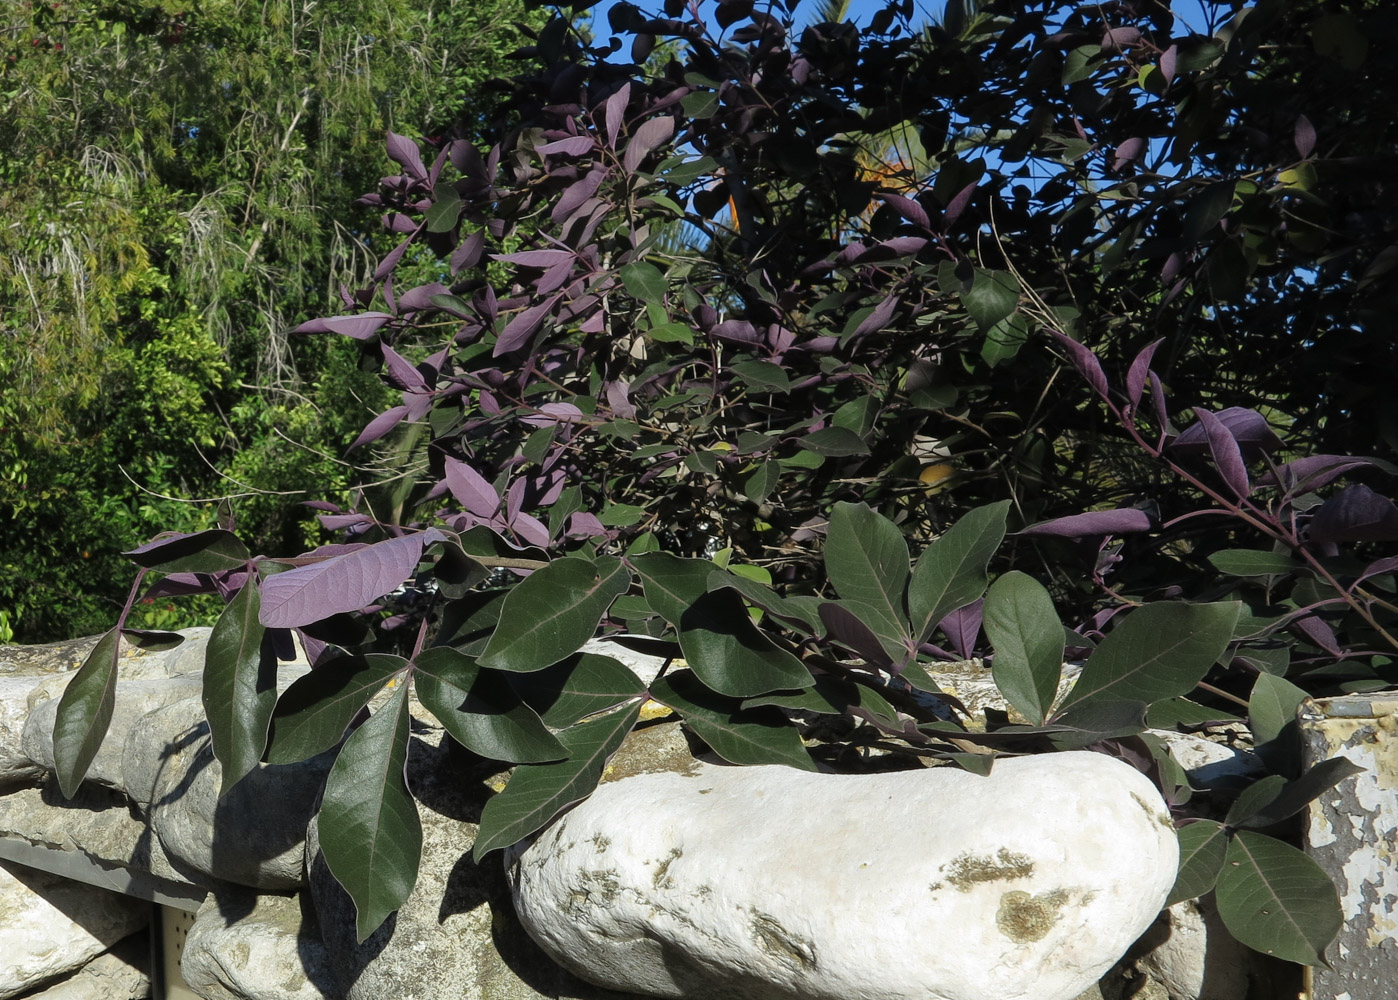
(866, 558)
(1004, 340)
(671, 584)
(993, 296)
(582, 685)
(209, 551)
(950, 573)
(758, 486)
(152, 640)
(1172, 712)
(468, 622)
(644, 281)
(85, 712)
(1296, 795)
(1160, 651)
(1272, 706)
(1202, 847)
(240, 685)
(314, 712)
(738, 735)
(1207, 209)
(763, 376)
(370, 833)
(802, 612)
(480, 709)
(539, 792)
(833, 696)
(672, 333)
(1253, 799)
(553, 612)
(1028, 640)
(445, 210)
(1276, 900)
(728, 653)
(1252, 562)
(834, 442)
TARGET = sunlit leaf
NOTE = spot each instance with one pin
(671, 584)
(313, 713)
(209, 551)
(240, 686)
(1202, 847)
(1276, 900)
(728, 653)
(553, 612)
(582, 685)
(866, 559)
(85, 712)
(480, 709)
(739, 735)
(951, 572)
(1027, 637)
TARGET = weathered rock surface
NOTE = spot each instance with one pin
(50, 927)
(119, 974)
(15, 765)
(767, 883)
(249, 947)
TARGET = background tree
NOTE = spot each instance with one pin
(177, 185)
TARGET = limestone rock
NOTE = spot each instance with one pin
(1211, 764)
(119, 974)
(766, 883)
(15, 765)
(456, 935)
(249, 947)
(50, 926)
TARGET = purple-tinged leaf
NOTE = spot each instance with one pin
(1127, 153)
(1157, 402)
(554, 278)
(1136, 375)
(1315, 631)
(584, 525)
(574, 145)
(380, 425)
(1312, 472)
(899, 246)
(471, 489)
(1227, 455)
(362, 326)
(1172, 267)
(530, 529)
(419, 298)
(614, 111)
(387, 265)
(338, 522)
(553, 413)
(1120, 38)
(397, 222)
(181, 585)
(1123, 521)
(649, 136)
(1168, 59)
(342, 583)
(468, 254)
(198, 552)
(906, 207)
(963, 627)
(738, 330)
(467, 159)
(1085, 362)
(523, 326)
(958, 203)
(1355, 514)
(404, 151)
(577, 193)
(1304, 136)
(1247, 427)
(400, 373)
(618, 398)
(535, 258)
(877, 319)
(846, 627)
(1376, 568)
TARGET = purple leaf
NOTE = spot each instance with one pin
(362, 326)
(553, 413)
(523, 326)
(468, 254)
(1373, 569)
(471, 489)
(1312, 472)
(391, 261)
(1167, 63)
(1085, 362)
(618, 393)
(1223, 447)
(1304, 136)
(336, 522)
(577, 193)
(530, 529)
(1123, 521)
(1247, 427)
(1120, 38)
(958, 203)
(180, 585)
(739, 330)
(1157, 402)
(405, 152)
(906, 207)
(613, 112)
(574, 145)
(341, 583)
(584, 525)
(1355, 514)
(536, 258)
(1128, 152)
(1136, 375)
(419, 298)
(651, 134)
(380, 425)
(879, 318)
(400, 373)
(467, 159)
(1315, 631)
(846, 628)
(963, 627)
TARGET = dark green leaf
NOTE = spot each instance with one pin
(1096, 720)
(1028, 640)
(1004, 340)
(1160, 651)
(553, 612)
(240, 686)
(582, 685)
(1202, 848)
(833, 696)
(834, 442)
(764, 376)
(1295, 795)
(85, 712)
(469, 622)
(950, 573)
(802, 612)
(738, 735)
(445, 209)
(992, 297)
(370, 833)
(866, 559)
(313, 713)
(1252, 562)
(480, 709)
(1276, 900)
(644, 281)
(1207, 209)
(209, 551)
(539, 792)
(727, 652)
(1253, 799)
(1171, 712)
(152, 640)
(758, 486)
(671, 584)
(1272, 706)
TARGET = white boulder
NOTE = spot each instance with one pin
(766, 883)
